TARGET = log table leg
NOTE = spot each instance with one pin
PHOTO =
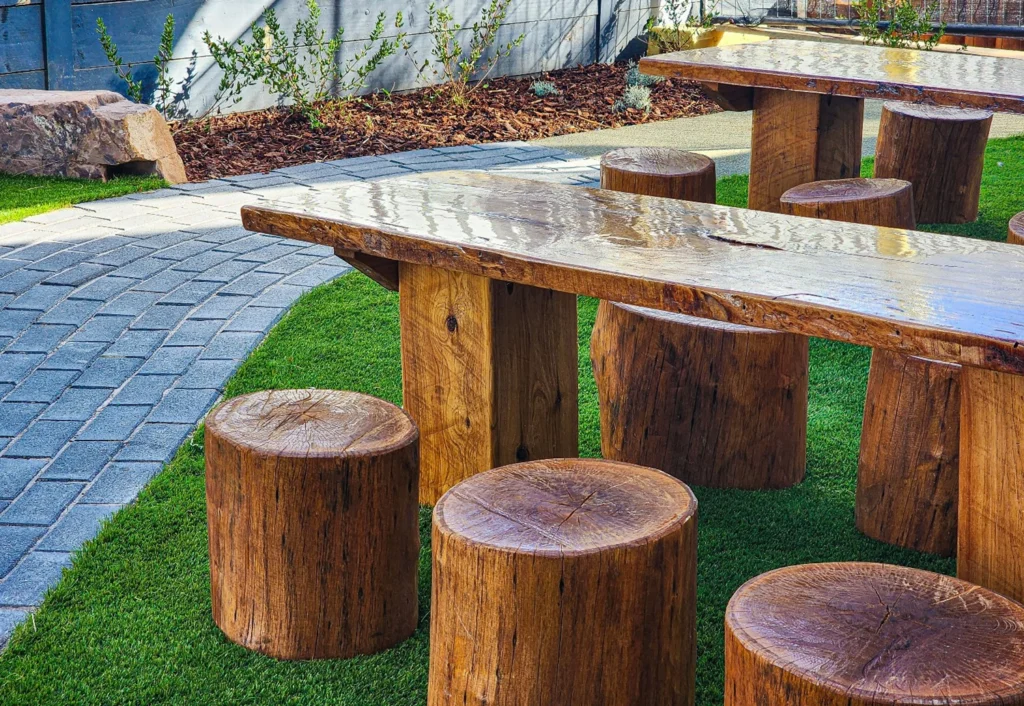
(990, 540)
(489, 373)
(799, 138)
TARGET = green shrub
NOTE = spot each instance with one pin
(634, 98)
(908, 27)
(635, 78)
(543, 89)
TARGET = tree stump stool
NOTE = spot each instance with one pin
(880, 202)
(908, 474)
(313, 519)
(941, 151)
(656, 171)
(709, 402)
(852, 634)
(566, 581)
(1016, 233)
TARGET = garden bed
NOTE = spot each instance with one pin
(503, 109)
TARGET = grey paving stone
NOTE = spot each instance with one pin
(14, 321)
(170, 360)
(120, 483)
(203, 261)
(270, 253)
(163, 282)
(221, 306)
(105, 244)
(281, 295)
(137, 344)
(317, 275)
(144, 267)
(40, 298)
(121, 256)
(64, 214)
(108, 373)
(15, 416)
(184, 406)
(255, 318)
(71, 311)
(10, 619)
(114, 423)
(3, 505)
(162, 317)
(79, 524)
(153, 442)
(248, 244)
(145, 390)
(8, 265)
(194, 333)
(251, 283)
(289, 264)
(37, 251)
(82, 460)
(41, 504)
(40, 338)
(77, 404)
(226, 271)
(103, 289)
(4, 342)
(224, 235)
(231, 345)
(165, 240)
(15, 541)
(16, 474)
(131, 303)
(79, 275)
(191, 292)
(102, 329)
(377, 171)
(42, 386)
(58, 262)
(208, 374)
(183, 250)
(37, 573)
(42, 439)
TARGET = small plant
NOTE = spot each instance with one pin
(634, 98)
(635, 78)
(679, 24)
(301, 70)
(452, 66)
(543, 89)
(907, 26)
(123, 71)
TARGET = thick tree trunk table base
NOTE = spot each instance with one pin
(1016, 231)
(711, 403)
(489, 373)
(907, 476)
(798, 138)
(871, 634)
(564, 582)
(313, 519)
(879, 202)
(941, 151)
(653, 171)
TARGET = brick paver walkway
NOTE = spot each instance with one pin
(121, 321)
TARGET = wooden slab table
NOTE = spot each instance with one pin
(808, 99)
(488, 269)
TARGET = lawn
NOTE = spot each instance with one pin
(24, 196)
(130, 623)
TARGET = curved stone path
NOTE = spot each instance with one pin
(120, 323)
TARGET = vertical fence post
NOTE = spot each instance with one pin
(57, 43)
(605, 31)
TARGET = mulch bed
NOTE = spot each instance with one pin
(503, 109)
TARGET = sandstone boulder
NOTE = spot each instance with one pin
(84, 134)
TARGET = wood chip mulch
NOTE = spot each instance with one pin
(503, 109)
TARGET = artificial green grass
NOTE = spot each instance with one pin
(24, 196)
(130, 623)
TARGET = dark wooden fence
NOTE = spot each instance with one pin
(53, 43)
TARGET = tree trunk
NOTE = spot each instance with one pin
(313, 520)
(880, 202)
(1016, 234)
(564, 582)
(941, 151)
(652, 171)
(870, 634)
(711, 403)
(908, 475)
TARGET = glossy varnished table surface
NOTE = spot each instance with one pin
(857, 71)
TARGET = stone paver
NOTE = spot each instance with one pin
(121, 321)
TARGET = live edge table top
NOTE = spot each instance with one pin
(939, 296)
(858, 71)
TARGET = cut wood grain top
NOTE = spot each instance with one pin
(962, 80)
(312, 423)
(565, 506)
(884, 634)
(938, 296)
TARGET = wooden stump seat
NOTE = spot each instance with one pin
(658, 171)
(566, 581)
(879, 202)
(711, 403)
(313, 520)
(853, 634)
(941, 151)
(1016, 231)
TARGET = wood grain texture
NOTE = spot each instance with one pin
(858, 71)
(658, 171)
(936, 296)
(313, 520)
(383, 272)
(710, 403)
(1015, 234)
(990, 548)
(941, 151)
(880, 202)
(732, 98)
(852, 634)
(908, 473)
(798, 138)
(564, 582)
(489, 371)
